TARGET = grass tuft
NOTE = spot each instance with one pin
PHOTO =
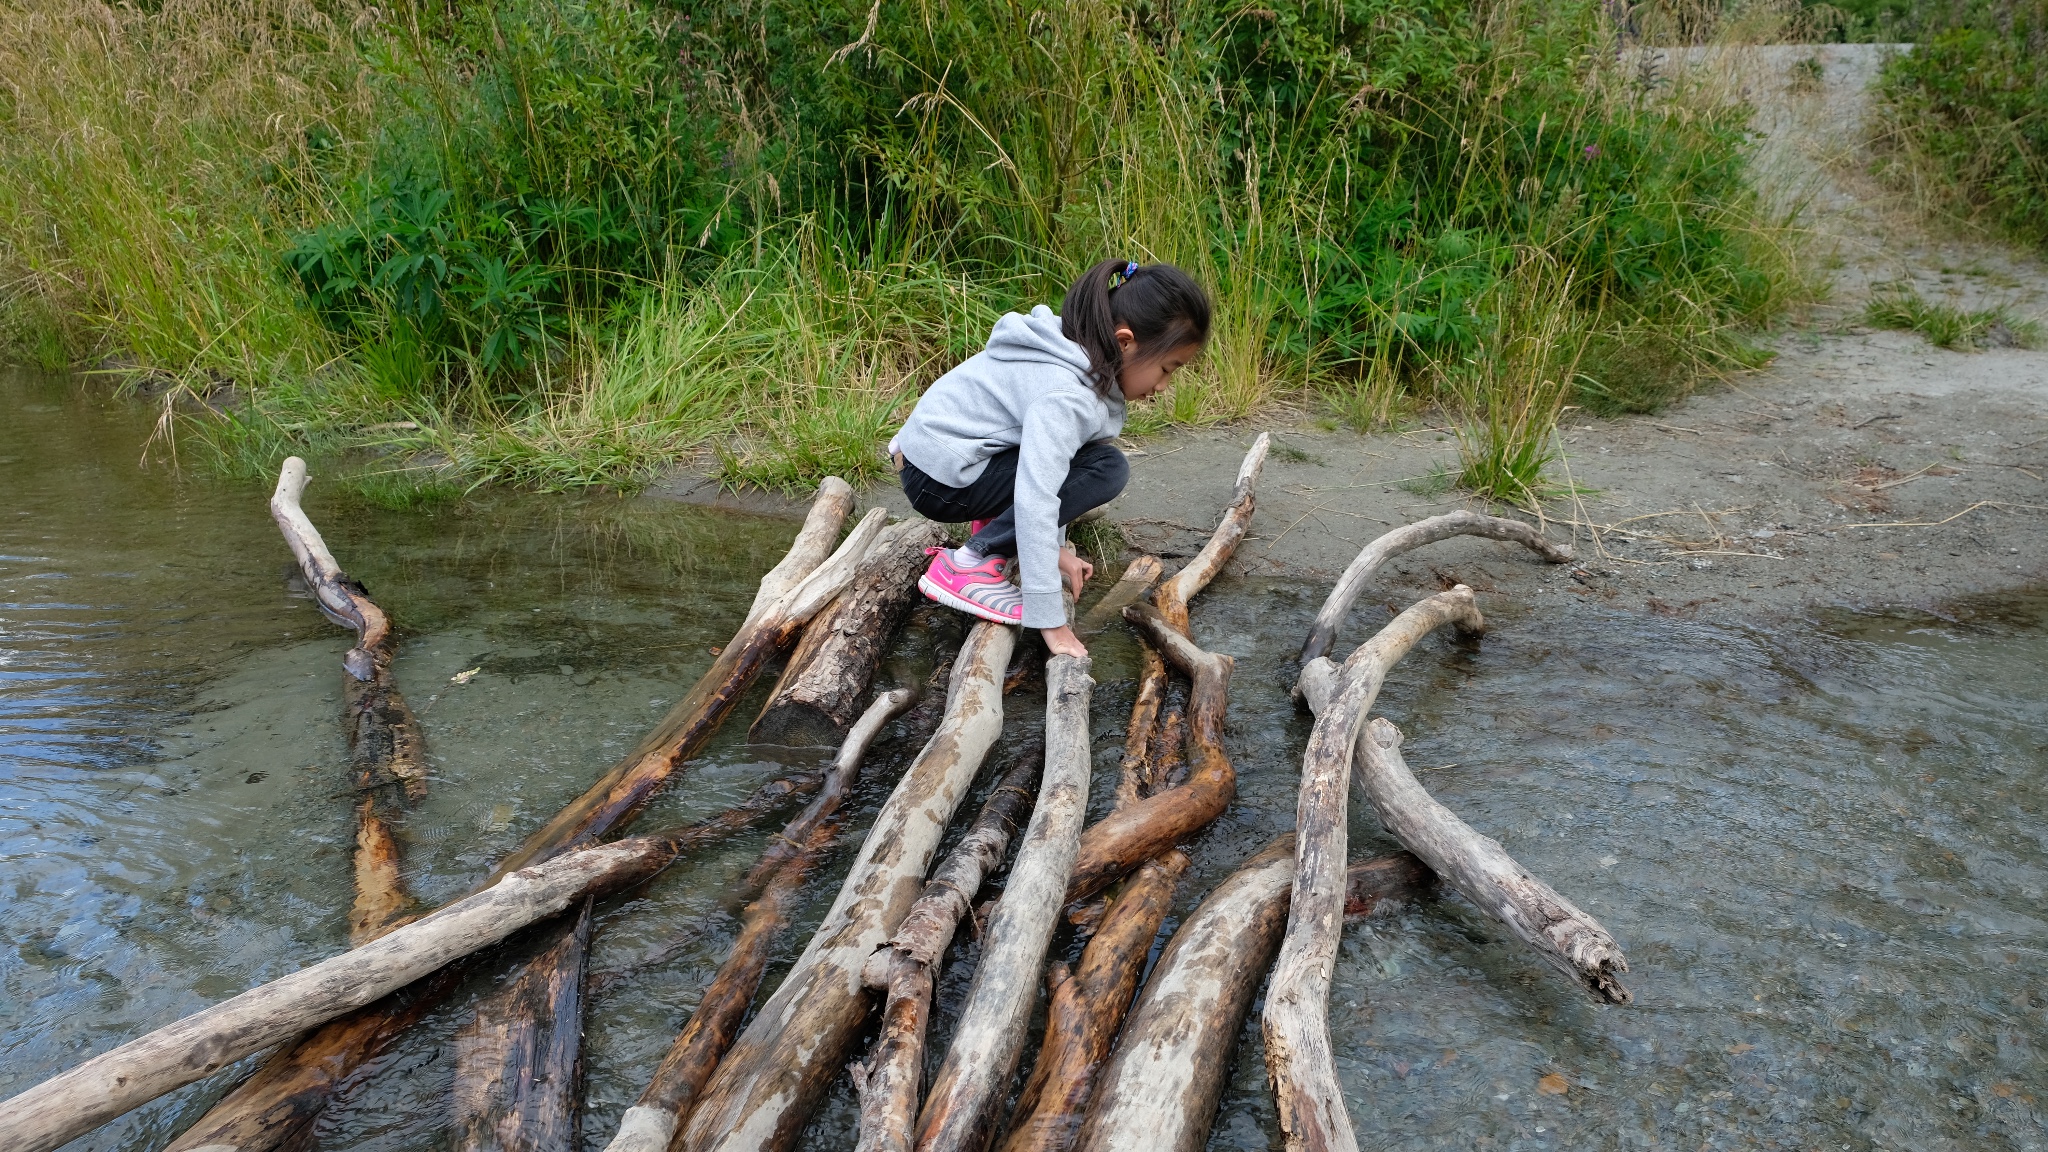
(1901, 308)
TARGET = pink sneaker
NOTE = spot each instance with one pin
(974, 526)
(978, 591)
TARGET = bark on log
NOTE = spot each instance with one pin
(1572, 941)
(275, 1108)
(770, 1081)
(1129, 836)
(672, 1093)
(1087, 1009)
(201, 1044)
(1160, 1089)
(1407, 538)
(906, 967)
(1297, 1027)
(385, 746)
(827, 677)
(961, 1112)
(519, 1068)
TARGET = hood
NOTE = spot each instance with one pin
(1036, 339)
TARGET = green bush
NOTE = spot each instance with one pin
(1965, 118)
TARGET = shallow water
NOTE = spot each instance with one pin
(1821, 843)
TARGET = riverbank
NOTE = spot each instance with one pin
(1860, 468)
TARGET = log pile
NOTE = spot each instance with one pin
(1127, 1060)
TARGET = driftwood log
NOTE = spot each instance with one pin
(1297, 1027)
(201, 1044)
(519, 1064)
(907, 966)
(385, 747)
(672, 1093)
(1323, 633)
(962, 1109)
(277, 1107)
(827, 677)
(612, 802)
(1138, 578)
(1161, 1086)
(1143, 830)
(772, 1078)
(1570, 940)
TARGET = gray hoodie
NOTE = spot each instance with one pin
(1028, 389)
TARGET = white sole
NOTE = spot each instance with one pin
(933, 591)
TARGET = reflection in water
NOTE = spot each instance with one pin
(1822, 846)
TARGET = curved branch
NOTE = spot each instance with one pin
(1297, 1025)
(1407, 538)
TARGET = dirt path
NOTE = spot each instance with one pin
(1862, 468)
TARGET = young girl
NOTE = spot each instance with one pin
(1018, 440)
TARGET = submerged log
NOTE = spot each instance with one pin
(772, 1078)
(960, 1113)
(519, 1068)
(385, 747)
(1138, 832)
(1088, 1007)
(651, 1123)
(906, 967)
(1407, 538)
(201, 1044)
(1138, 578)
(828, 675)
(1297, 1026)
(1570, 940)
(277, 1107)
(1161, 1086)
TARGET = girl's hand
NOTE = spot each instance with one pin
(1061, 641)
(1078, 572)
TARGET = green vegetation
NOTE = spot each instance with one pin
(1964, 124)
(567, 242)
(1947, 326)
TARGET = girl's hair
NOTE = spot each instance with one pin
(1162, 306)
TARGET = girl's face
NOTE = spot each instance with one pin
(1143, 377)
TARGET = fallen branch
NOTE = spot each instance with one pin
(960, 1113)
(1407, 538)
(1161, 1086)
(75, 1102)
(1137, 579)
(276, 1107)
(1569, 939)
(772, 1078)
(384, 742)
(672, 1093)
(907, 966)
(1297, 1027)
(1141, 831)
(827, 677)
(519, 1061)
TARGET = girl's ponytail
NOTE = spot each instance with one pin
(1162, 306)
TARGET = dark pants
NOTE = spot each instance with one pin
(1096, 476)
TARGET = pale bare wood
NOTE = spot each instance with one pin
(385, 745)
(1162, 1083)
(1407, 538)
(960, 1112)
(772, 1078)
(1174, 594)
(677, 1083)
(827, 676)
(1299, 1056)
(278, 1106)
(201, 1044)
(1570, 940)
(906, 967)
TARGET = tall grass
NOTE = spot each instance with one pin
(564, 242)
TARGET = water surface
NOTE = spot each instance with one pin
(1820, 841)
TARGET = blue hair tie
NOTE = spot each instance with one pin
(1119, 278)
